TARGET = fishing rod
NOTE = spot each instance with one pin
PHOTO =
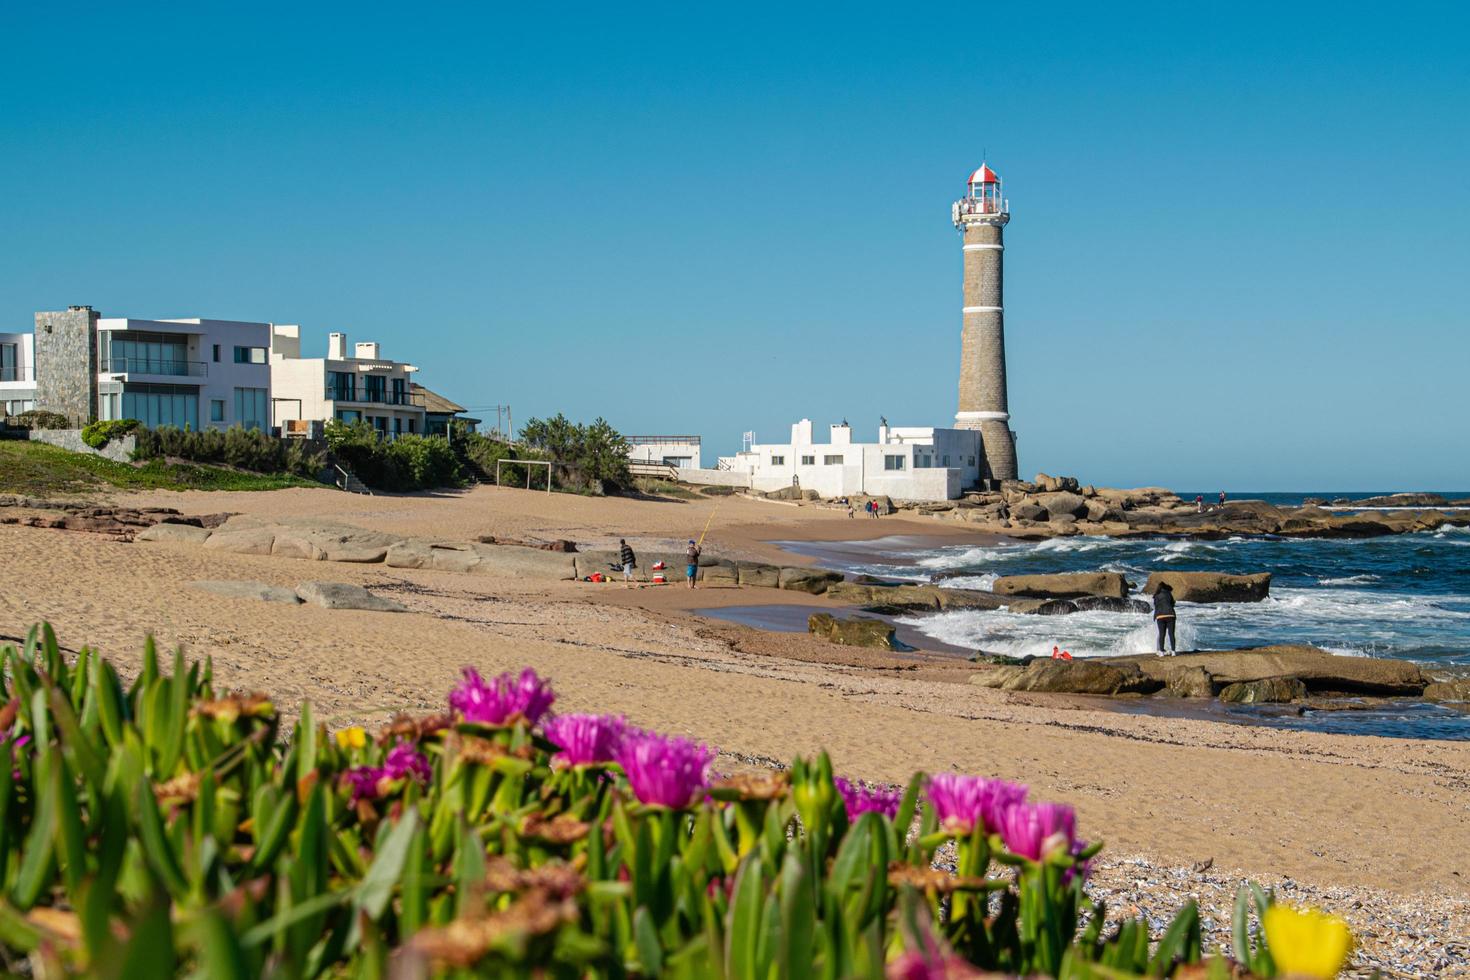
(700, 543)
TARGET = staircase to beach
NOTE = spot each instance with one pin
(347, 480)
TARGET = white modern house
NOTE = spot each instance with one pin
(362, 386)
(17, 373)
(199, 373)
(905, 463)
(680, 451)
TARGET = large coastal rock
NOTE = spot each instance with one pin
(331, 542)
(812, 580)
(1069, 677)
(1318, 669)
(1066, 586)
(1190, 682)
(853, 632)
(1063, 504)
(174, 533)
(250, 590)
(341, 595)
(721, 575)
(1271, 690)
(902, 598)
(1212, 586)
(760, 576)
(242, 541)
(527, 563)
(1450, 690)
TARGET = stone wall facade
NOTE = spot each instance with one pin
(117, 450)
(66, 363)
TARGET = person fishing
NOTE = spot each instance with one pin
(628, 560)
(691, 558)
(1164, 616)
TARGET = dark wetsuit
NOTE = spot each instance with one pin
(1164, 617)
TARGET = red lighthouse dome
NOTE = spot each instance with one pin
(984, 176)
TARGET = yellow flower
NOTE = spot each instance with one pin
(351, 738)
(1307, 942)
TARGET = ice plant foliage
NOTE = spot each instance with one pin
(965, 802)
(665, 770)
(159, 825)
(585, 740)
(502, 700)
(860, 798)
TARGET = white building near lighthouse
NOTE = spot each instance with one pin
(905, 463)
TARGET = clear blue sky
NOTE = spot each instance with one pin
(1238, 253)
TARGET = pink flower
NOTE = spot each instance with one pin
(1039, 830)
(964, 802)
(503, 699)
(664, 770)
(860, 798)
(405, 761)
(372, 782)
(918, 966)
(585, 740)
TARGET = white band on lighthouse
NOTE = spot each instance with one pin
(977, 248)
(982, 309)
(982, 416)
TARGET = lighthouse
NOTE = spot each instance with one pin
(981, 217)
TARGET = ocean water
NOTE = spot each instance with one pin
(1405, 596)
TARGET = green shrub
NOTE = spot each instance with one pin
(39, 418)
(586, 458)
(99, 434)
(408, 462)
(164, 832)
(246, 449)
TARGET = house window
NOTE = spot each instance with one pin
(946, 462)
(921, 462)
(778, 460)
(216, 407)
(972, 460)
(808, 461)
(10, 363)
(375, 388)
(400, 392)
(249, 355)
(161, 405)
(348, 416)
(251, 408)
(832, 460)
(341, 386)
(397, 425)
(893, 462)
(216, 353)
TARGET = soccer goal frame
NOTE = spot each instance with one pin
(527, 463)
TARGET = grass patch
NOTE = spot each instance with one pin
(663, 488)
(38, 469)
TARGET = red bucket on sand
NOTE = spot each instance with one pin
(660, 580)
(598, 577)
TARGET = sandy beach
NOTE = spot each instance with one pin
(1381, 819)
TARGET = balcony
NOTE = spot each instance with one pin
(163, 367)
(410, 399)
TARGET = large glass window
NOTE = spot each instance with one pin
(160, 405)
(249, 355)
(893, 462)
(216, 410)
(342, 386)
(252, 408)
(348, 416)
(10, 363)
(376, 387)
(139, 352)
(400, 393)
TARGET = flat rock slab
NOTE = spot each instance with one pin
(1069, 677)
(250, 590)
(528, 563)
(1317, 669)
(1212, 586)
(340, 595)
(1066, 586)
(760, 576)
(244, 541)
(811, 580)
(178, 533)
(1272, 690)
(853, 632)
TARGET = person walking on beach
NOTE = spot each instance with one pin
(1164, 616)
(691, 559)
(628, 560)
(850, 513)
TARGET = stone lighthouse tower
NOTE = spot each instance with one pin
(981, 217)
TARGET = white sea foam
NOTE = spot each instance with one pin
(981, 582)
(943, 560)
(1349, 580)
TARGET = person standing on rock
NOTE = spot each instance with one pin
(691, 559)
(628, 560)
(1164, 616)
(1199, 503)
(1222, 498)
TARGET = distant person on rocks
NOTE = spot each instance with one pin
(1199, 502)
(1222, 498)
(1164, 616)
(850, 512)
(691, 558)
(628, 560)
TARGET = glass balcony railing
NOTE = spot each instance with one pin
(364, 397)
(153, 365)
